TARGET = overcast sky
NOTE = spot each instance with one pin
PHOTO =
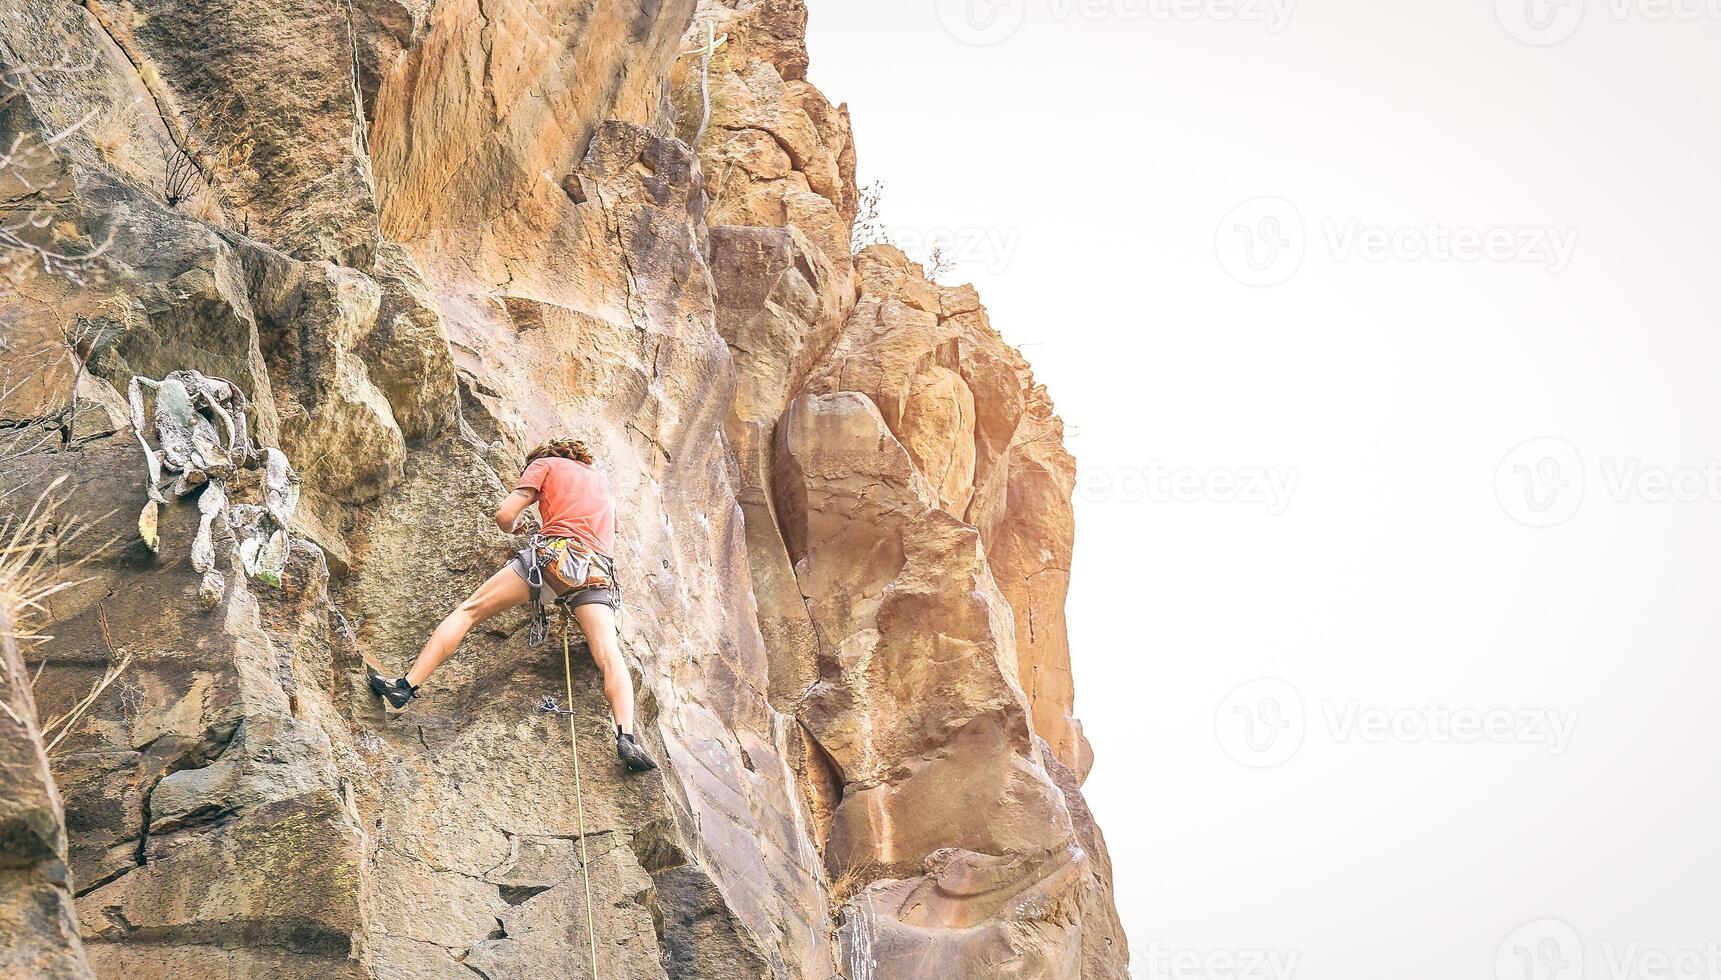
(1386, 334)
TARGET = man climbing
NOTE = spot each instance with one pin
(572, 555)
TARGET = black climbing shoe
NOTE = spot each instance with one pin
(396, 692)
(630, 752)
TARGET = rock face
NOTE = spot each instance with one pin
(36, 908)
(452, 229)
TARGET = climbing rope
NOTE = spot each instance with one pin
(579, 797)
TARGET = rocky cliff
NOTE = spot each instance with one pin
(418, 236)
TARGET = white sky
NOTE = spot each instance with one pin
(1084, 161)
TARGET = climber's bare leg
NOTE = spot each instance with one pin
(502, 592)
(597, 621)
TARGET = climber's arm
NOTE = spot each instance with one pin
(509, 512)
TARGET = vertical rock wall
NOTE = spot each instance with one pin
(421, 236)
(36, 911)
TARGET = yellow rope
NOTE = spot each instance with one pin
(579, 799)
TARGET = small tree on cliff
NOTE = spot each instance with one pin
(868, 228)
(939, 262)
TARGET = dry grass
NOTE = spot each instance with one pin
(31, 573)
(117, 663)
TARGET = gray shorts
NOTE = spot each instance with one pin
(521, 563)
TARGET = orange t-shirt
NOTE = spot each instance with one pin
(573, 502)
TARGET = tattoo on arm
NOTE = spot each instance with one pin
(509, 514)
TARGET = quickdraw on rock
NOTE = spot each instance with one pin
(549, 705)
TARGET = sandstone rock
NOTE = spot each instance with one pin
(172, 719)
(285, 874)
(1030, 521)
(41, 934)
(774, 31)
(311, 321)
(777, 153)
(779, 305)
(972, 915)
(104, 823)
(780, 260)
(464, 229)
(918, 707)
(407, 354)
(1103, 947)
(284, 162)
(966, 408)
(910, 664)
(473, 126)
(938, 431)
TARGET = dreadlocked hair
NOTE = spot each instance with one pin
(572, 449)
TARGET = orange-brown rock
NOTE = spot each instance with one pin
(36, 912)
(965, 407)
(420, 237)
(776, 152)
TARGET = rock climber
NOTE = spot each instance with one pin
(572, 555)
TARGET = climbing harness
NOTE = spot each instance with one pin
(564, 566)
(549, 705)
